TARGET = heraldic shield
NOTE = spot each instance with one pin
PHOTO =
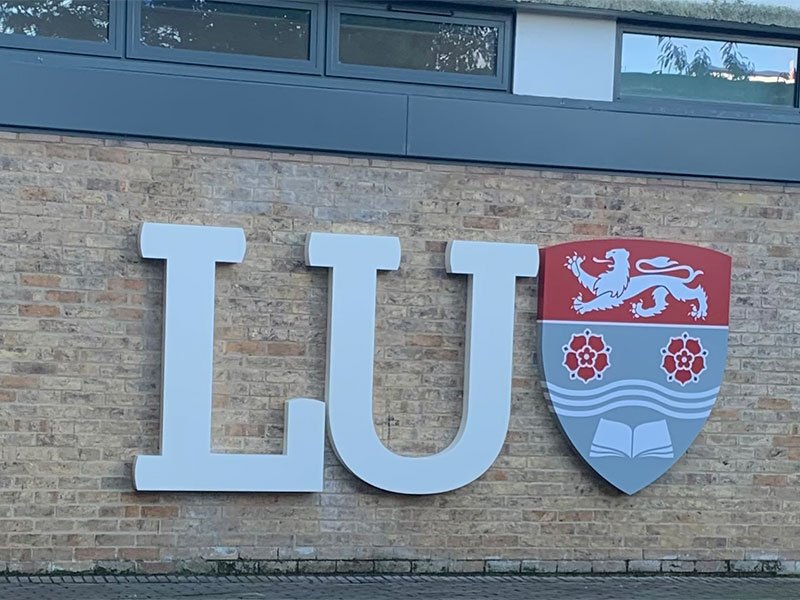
(633, 337)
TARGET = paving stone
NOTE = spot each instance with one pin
(391, 587)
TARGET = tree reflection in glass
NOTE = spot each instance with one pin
(416, 44)
(67, 19)
(230, 28)
(705, 69)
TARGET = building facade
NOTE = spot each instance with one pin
(518, 122)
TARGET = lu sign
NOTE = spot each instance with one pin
(633, 338)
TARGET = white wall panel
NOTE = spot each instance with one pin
(564, 57)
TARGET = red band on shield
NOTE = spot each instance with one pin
(634, 281)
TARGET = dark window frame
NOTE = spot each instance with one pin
(314, 65)
(502, 20)
(702, 33)
(113, 47)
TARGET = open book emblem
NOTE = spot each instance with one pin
(612, 438)
(633, 336)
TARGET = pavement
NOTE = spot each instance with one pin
(395, 587)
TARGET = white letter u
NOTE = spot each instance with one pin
(492, 269)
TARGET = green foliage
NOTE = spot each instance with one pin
(464, 49)
(701, 63)
(735, 62)
(673, 58)
(75, 19)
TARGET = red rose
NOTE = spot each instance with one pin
(684, 359)
(586, 356)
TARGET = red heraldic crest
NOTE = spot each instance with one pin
(633, 336)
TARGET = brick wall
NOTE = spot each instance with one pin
(80, 360)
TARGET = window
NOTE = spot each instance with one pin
(56, 19)
(415, 43)
(721, 70)
(444, 48)
(244, 33)
(65, 25)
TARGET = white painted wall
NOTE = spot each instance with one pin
(564, 57)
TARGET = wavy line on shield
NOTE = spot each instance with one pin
(634, 395)
(638, 403)
(632, 383)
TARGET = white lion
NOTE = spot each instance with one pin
(615, 286)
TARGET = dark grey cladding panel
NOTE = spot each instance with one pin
(530, 134)
(171, 106)
(112, 96)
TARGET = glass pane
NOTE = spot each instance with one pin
(697, 69)
(68, 19)
(227, 27)
(421, 45)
